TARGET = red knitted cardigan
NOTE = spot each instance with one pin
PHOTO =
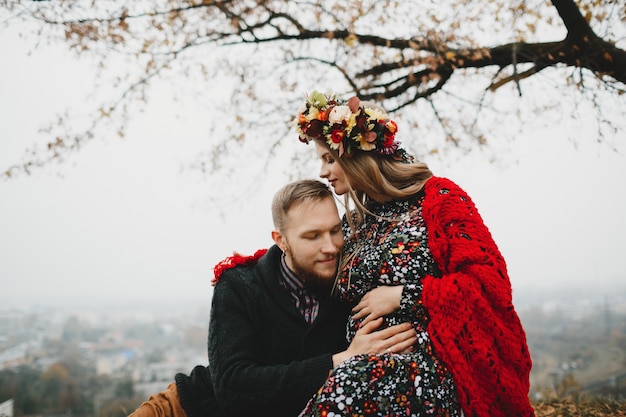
(473, 325)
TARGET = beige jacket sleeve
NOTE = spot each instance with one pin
(164, 404)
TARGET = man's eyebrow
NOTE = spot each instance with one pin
(318, 230)
(304, 232)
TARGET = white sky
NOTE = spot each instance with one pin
(119, 222)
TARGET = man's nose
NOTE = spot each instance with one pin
(329, 245)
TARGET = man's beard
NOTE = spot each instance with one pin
(313, 281)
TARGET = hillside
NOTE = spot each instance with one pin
(571, 408)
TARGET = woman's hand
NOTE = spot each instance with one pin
(399, 338)
(377, 303)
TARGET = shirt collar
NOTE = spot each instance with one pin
(290, 279)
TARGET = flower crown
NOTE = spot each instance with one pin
(348, 126)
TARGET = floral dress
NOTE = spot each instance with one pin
(392, 250)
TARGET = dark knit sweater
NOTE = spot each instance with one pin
(265, 358)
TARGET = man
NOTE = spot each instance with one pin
(275, 333)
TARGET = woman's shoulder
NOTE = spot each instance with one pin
(442, 186)
(438, 183)
(442, 193)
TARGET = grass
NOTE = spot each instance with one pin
(580, 408)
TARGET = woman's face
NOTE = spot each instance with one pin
(331, 170)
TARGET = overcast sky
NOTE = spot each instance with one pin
(120, 222)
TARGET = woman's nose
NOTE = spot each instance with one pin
(324, 171)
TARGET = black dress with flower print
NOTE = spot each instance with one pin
(392, 249)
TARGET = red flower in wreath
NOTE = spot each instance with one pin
(337, 135)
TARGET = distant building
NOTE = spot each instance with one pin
(111, 361)
(15, 356)
(6, 408)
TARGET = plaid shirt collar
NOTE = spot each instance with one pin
(306, 301)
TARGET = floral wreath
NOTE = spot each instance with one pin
(348, 126)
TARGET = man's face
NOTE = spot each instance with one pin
(312, 242)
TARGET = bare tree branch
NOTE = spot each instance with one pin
(362, 44)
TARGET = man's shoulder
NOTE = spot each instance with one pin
(247, 269)
(236, 264)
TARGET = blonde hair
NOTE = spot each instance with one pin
(375, 174)
(295, 193)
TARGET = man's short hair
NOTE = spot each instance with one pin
(295, 193)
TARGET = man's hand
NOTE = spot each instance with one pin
(377, 303)
(395, 339)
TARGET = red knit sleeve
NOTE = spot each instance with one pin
(473, 325)
(233, 261)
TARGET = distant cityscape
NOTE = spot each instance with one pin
(146, 348)
(577, 341)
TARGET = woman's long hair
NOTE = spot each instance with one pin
(376, 176)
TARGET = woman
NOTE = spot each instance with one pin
(417, 249)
